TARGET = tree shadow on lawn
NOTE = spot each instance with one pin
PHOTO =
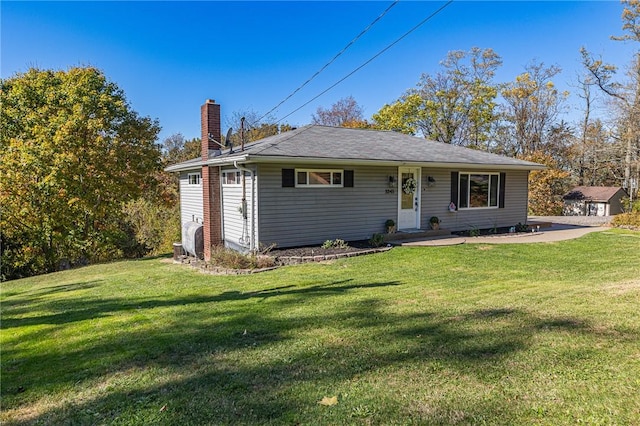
(27, 298)
(81, 308)
(250, 364)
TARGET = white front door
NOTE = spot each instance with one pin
(408, 197)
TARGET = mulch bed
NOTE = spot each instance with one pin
(298, 255)
(354, 246)
(289, 256)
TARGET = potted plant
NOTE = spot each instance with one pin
(390, 226)
(434, 222)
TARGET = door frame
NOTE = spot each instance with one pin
(417, 196)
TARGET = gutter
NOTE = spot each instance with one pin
(215, 161)
(248, 159)
(393, 163)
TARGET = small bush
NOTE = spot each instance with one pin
(376, 240)
(630, 207)
(228, 258)
(264, 261)
(631, 220)
(337, 243)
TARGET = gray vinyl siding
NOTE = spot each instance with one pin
(436, 199)
(190, 199)
(304, 216)
(237, 230)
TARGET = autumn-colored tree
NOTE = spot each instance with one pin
(401, 116)
(176, 149)
(358, 124)
(155, 216)
(72, 151)
(253, 127)
(531, 108)
(546, 187)
(456, 105)
(342, 113)
(625, 95)
(595, 158)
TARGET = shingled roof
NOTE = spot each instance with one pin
(601, 194)
(325, 144)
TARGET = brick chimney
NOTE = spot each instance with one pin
(210, 126)
(211, 207)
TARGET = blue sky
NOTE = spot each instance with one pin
(169, 57)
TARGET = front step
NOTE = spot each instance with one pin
(536, 224)
(416, 234)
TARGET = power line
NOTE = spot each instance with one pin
(332, 60)
(368, 61)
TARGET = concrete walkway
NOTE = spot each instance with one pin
(556, 232)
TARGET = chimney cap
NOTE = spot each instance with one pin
(210, 101)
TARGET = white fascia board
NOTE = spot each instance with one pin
(216, 161)
(183, 167)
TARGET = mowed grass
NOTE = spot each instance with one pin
(473, 334)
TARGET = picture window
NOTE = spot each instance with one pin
(478, 190)
(319, 178)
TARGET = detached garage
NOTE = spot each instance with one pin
(593, 201)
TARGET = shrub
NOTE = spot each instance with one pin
(337, 243)
(228, 258)
(631, 220)
(376, 240)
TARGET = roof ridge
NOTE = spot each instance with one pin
(266, 143)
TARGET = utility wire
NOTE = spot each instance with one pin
(332, 60)
(368, 61)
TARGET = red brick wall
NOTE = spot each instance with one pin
(212, 215)
(212, 227)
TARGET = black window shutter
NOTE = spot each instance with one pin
(348, 178)
(288, 178)
(503, 179)
(454, 188)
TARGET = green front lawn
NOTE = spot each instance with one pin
(472, 334)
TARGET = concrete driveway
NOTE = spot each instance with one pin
(552, 228)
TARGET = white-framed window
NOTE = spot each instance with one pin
(478, 190)
(193, 178)
(319, 178)
(231, 177)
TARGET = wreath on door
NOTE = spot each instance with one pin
(410, 186)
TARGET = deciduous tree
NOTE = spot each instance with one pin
(72, 151)
(343, 113)
(256, 127)
(625, 95)
(457, 105)
(531, 108)
(401, 116)
(546, 186)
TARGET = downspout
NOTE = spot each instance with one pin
(252, 243)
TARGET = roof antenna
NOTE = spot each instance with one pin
(212, 139)
(242, 134)
(227, 141)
